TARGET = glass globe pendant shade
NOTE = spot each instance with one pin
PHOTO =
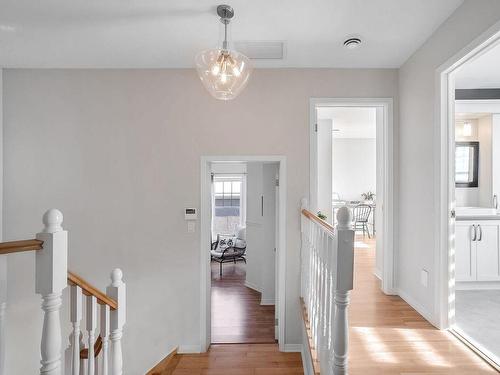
(223, 72)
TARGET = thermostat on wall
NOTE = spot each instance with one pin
(190, 214)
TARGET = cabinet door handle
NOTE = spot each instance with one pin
(480, 233)
(474, 237)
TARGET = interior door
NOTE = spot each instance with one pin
(324, 140)
(464, 251)
(487, 253)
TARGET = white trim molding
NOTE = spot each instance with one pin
(205, 215)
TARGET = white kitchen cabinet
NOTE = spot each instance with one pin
(477, 250)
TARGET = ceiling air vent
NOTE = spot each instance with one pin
(261, 50)
(352, 43)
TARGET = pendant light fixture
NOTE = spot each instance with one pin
(224, 72)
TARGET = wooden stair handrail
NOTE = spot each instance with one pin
(74, 279)
(84, 353)
(19, 246)
(90, 290)
(315, 218)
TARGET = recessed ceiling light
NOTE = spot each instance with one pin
(352, 43)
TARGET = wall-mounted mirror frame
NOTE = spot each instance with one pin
(467, 164)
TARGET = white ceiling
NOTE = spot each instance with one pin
(481, 73)
(163, 33)
(351, 122)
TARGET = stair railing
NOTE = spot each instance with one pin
(327, 260)
(52, 277)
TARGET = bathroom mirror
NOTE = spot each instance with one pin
(466, 164)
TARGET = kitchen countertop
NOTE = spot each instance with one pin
(477, 217)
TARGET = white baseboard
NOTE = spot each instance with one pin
(477, 285)
(267, 301)
(418, 307)
(293, 348)
(306, 361)
(378, 274)
(252, 286)
(187, 349)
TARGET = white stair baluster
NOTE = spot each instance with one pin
(117, 291)
(91, 318)
(51, 279)
(83, 362)
(76, 312)
(104, 323)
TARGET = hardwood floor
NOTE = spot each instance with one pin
(239, 359)
(387, 336)
(237, 316)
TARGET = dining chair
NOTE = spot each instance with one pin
(361, 215)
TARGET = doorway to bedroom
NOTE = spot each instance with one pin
(244, 208)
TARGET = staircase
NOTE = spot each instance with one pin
(85, 354)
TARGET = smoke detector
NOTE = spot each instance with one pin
(352, 43)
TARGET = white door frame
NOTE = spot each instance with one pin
(387, 273)
(444, 181)
(205, 223)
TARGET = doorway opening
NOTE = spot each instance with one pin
(242, 232)
(351, 165)
(470, 185)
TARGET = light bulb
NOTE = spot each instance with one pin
(236, 71)
(223, 77)
(215, 69)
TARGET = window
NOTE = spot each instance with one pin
(227, 201)
(466, 164)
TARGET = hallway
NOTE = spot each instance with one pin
(387, 336)
(237, 315)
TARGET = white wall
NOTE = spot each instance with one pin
(354, 167)
(118, 151)
(417, 153)
(481, 196)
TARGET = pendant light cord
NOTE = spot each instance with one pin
(224, 43)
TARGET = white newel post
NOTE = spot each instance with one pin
(51, 279)
(3, 306)
(117, 291)
(344, 284)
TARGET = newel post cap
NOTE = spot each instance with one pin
(344, 217)
(116, 277)
(52, 220)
